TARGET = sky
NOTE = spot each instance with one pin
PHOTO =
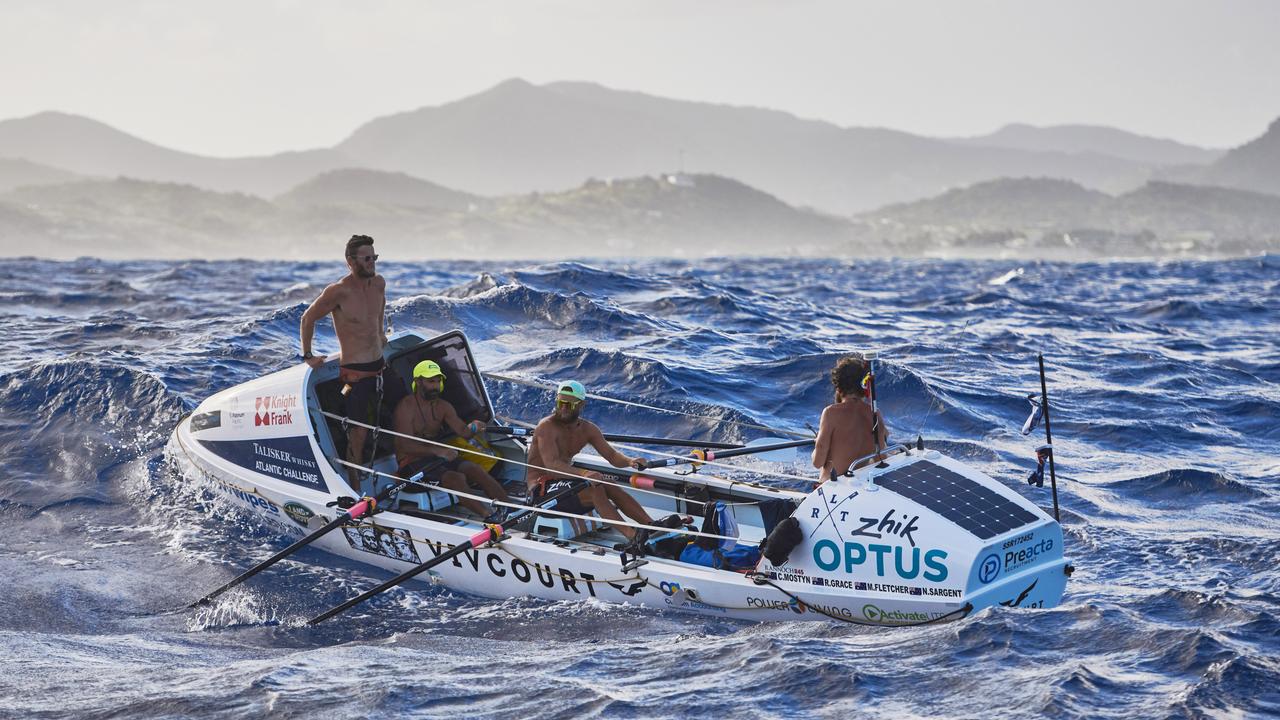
(235, 77)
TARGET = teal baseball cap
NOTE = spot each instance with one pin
(572, 388)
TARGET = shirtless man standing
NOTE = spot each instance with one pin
(358, 303)
(844, 434)
(560, 436)
(426, 415)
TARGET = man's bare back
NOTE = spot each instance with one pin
(844, 435)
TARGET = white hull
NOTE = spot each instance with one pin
(288, 499)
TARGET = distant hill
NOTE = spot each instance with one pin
(518, 137)
(685, 215)
(1005, 203)
(88, 147)
(132, 218)
(16, 173)
(1252, 166)
(374, 187)
(670, 215)
(1032, 215)
(676, 214)
(1093, 139)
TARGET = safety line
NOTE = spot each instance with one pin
(632, 448)
(543, 385)
(543, 511)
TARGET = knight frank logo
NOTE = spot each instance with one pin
(274, 409)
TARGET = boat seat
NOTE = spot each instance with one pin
(430, 499)
(564, 528)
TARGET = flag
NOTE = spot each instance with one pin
(1033, 420)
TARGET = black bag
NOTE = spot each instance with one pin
(784, 538)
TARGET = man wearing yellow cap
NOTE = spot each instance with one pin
(560, 436)
(425, 414)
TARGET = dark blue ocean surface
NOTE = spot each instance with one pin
(1166, 378)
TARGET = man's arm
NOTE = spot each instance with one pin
(822, 445)
(402, 421)
(607, 451)
(323, 305)
(454, 423)
(545, 437)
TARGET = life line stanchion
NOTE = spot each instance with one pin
(362, 507)
(491, 533)
(875, 407)
(1048, 435)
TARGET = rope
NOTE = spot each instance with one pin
(542, 385)
(544, 511)
(625, 447)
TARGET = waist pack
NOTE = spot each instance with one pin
(726, 554)
(740, 557)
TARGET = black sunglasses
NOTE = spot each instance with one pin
(363, 257)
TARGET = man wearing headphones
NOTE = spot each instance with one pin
(425, 414)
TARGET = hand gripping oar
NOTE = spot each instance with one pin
(699, 456)
(491, 533)
(355, 512)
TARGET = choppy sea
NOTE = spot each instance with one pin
(1165, 379)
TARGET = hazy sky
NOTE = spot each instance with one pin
(234, 77)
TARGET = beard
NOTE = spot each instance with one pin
(365, 272)
(571, 418)
(430, 394)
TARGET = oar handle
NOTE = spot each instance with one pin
(636, 439)
(512, 431)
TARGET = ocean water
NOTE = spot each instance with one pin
(1165, 378)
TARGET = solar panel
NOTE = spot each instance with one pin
(973, 506)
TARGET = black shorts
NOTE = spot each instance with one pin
(432, 468)
(569, 503)
(363, 397)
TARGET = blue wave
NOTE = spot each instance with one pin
(1162, 377)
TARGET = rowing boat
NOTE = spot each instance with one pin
(913, 537)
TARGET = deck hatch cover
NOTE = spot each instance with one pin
(974, 507)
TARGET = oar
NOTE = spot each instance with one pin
(643, 439)
(491, 533)
(355, 512)
(766, 448)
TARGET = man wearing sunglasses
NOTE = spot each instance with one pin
(560, 436)
(358, 305)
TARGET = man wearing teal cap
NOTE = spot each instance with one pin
(560, 436)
